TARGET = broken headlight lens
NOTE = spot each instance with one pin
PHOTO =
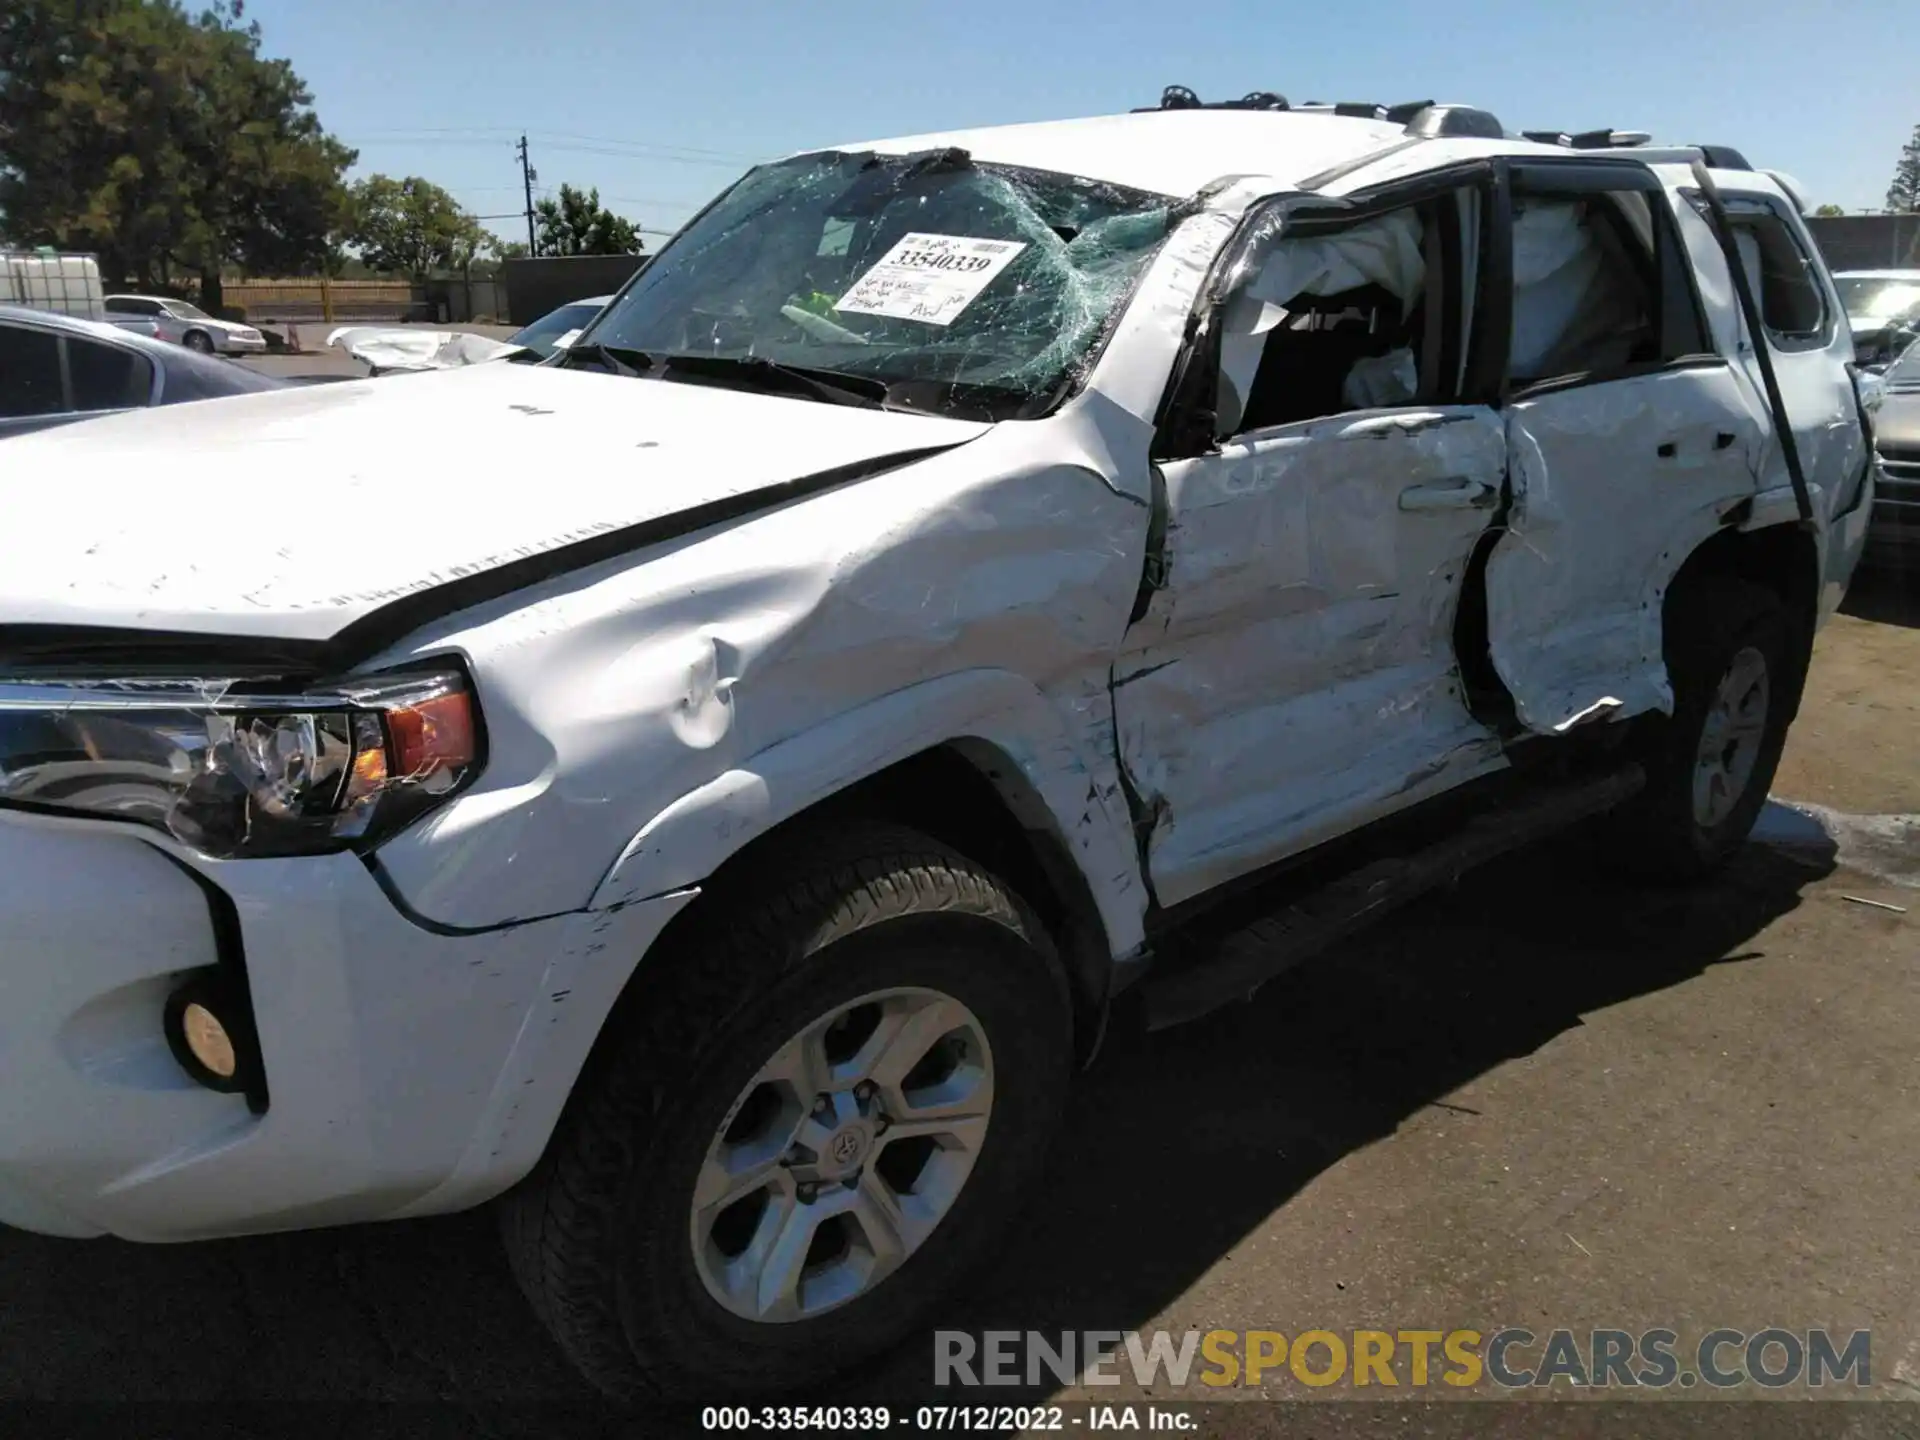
(237, 770)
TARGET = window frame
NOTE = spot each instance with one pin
(1185, 421)
(1674, 288)
(156, 373)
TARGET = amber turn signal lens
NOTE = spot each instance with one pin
(432, 736)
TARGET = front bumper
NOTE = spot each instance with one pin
(409, 1072)
(1893, 536)
(240, 345)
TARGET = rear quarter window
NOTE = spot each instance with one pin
(107, 377)
(29, 373)
(1793, 307)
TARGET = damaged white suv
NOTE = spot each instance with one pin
(711, 789)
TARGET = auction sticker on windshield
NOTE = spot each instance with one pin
(930, 278)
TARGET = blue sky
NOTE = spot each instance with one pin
(659, 105)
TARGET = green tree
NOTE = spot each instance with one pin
(412, 227)
(1903, 196)
(1828, 210)
(164, 142)
(577, 224)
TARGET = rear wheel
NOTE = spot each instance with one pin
(805, 1129)
(1732, 663)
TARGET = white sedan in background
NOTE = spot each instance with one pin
(184, 324)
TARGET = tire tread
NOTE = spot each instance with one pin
(757, 926)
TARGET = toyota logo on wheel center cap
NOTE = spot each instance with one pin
(846, 1147)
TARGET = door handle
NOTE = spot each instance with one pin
(1456, 492)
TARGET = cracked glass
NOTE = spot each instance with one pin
(760, 278)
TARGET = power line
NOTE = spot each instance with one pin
(479, 135)
(634, 152)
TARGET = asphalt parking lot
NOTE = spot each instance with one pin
(1544, 1098)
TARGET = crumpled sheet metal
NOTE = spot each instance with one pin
(665, 713)
(1574, 588)
(1299, 661)
(388, 350)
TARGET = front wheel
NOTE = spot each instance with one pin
(198, 341)
(808, 1126)
(1732, 663)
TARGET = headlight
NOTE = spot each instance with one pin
(238, 770)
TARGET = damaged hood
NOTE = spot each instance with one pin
(295, 513)
(387, 349)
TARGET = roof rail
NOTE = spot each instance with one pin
(1426, 120)
(1720, 157)
(1432, 122)
(1397, 114)
(1422, 118)
(1179, 97)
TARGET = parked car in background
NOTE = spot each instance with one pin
(387, 349)
(557, 328)
(55, 369)
(1883, 310)
(1893, 537)
(186, 325)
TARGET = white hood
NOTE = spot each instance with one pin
(293, 513)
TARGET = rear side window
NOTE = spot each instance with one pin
(106, 377)
(1585, 293)
(29, 373)
(1782, 276)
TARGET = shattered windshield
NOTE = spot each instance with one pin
(925, 282)
(540, 336)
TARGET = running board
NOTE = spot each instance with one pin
(1246, 959)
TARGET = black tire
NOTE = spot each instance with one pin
(1658, 836)
(598, 1235)
(198, 341)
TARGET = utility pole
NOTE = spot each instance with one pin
(526, 179)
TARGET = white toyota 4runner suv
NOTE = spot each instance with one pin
(711, 789)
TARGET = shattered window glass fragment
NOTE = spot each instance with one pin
(872, 266)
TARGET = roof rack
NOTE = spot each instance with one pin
(1398, 114)
(1720, 157)
(1421, 118)
(1179, 97)
(1456, 122)
(1426, 120)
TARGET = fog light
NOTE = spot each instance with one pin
(210, 1032)
(208, 1041)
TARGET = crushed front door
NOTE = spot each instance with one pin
(1294, 676)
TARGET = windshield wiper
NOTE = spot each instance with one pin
(617, 358)
(831, 386)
